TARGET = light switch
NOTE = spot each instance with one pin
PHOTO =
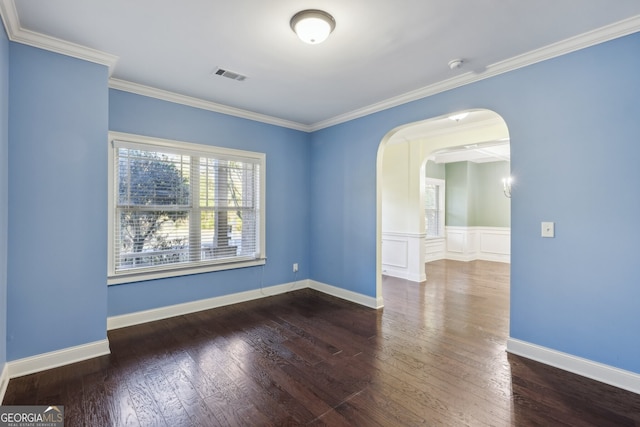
(548, 229)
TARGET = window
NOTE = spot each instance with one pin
(178, 208)
(434, 207)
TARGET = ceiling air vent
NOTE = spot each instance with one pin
(229, 74)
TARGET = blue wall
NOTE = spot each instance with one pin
(570, 119)
(4, 188)
(57, 206)
(576, 139)
(287, 204)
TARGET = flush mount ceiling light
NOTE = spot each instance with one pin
(312, 26)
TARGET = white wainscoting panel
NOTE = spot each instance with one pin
(394, 253)
(435, 249)
(403, 255)
(456, 241)
(460, 243)
(495, 244)
(478, 243)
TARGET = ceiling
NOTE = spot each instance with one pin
(481, 136)
(476, 153)
(382, 52)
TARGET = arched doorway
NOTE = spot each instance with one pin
(402, 156)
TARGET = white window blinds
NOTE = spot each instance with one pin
(177, 205)
(434, 207)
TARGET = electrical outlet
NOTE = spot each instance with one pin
(295, 267)
(548, 229)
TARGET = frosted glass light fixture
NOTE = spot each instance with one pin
(312, 26)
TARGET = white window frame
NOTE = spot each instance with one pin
(441, 206)
(173, 270)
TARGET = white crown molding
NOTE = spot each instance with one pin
(16, 33)
(9, 16)
(591, 38)
(202, 104)
(616, 377)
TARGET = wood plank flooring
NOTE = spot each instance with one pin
(435, 356)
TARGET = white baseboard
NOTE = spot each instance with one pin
(53, 359)
(404, 274)
(344, 294)
(4, 381)
(494, 258)
(139, 317)
(460, 257)
(616, 377)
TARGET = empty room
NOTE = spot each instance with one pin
(320, 213)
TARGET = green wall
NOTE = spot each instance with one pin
(493, 209)
(435, 170)
(456, 194)
(474, 196)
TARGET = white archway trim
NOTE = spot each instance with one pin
(406, 260)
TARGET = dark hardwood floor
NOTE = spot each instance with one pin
(435, 355)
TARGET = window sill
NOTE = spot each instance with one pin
(122, 278)
(432, 239)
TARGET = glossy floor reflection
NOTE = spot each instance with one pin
(435, 355)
